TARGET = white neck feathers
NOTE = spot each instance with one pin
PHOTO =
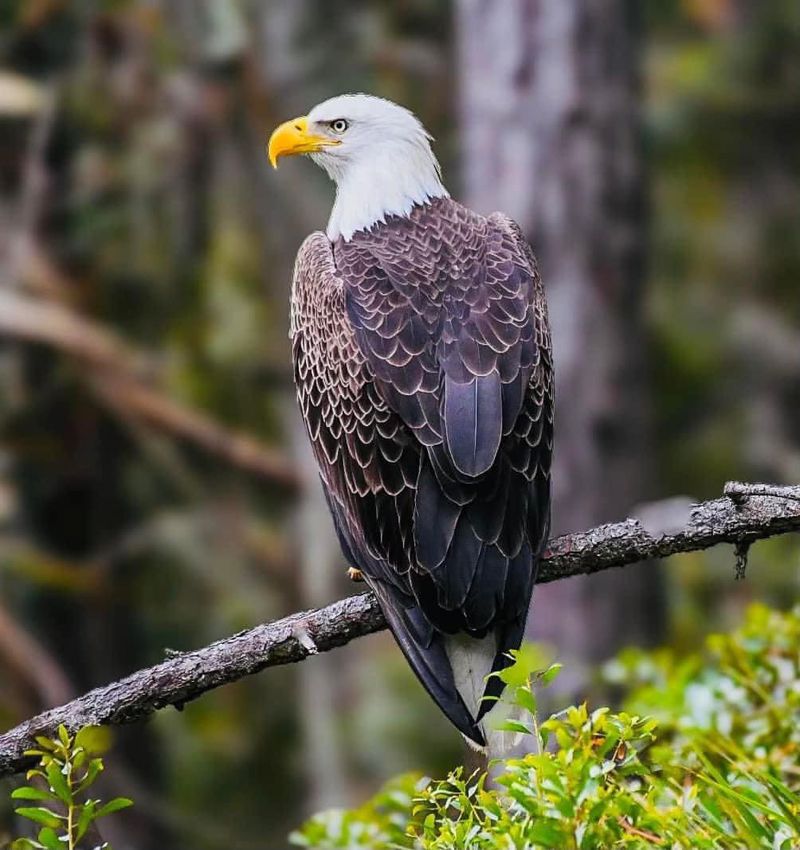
(391, 180)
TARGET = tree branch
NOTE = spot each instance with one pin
(120, 376)
(748, 512)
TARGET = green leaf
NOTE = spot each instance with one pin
(785, 799)
(49, 839)
(24, 844)
(58, 783)
(63, 736)
(86, 817)
(550, 673)
(526, 698)
(96, 740)
(40, 815)
(79, 758)
(28, 792)
(526, 661)
(547, 832)
(515, 726)
(115, 805)
(95, 767)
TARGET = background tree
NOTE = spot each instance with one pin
(551, 118)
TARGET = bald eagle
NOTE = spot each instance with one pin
(423, 367)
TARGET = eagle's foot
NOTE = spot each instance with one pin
(355, 575)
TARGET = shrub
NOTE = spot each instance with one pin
(58, 799)
(704, 755)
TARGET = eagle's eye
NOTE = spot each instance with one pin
(339, 125)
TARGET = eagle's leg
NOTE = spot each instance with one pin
(354, 575)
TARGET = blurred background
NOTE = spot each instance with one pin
(155, 487)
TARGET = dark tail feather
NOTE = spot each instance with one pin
(424, 650)
(509, 636)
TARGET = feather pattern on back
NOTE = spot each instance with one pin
(423, 366)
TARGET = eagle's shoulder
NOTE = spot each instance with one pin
(520, 246)
(540, 318)
(316, 297)
(314, 259)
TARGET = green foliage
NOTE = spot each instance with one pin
(381, 822)
(57, 799)
(705, 755)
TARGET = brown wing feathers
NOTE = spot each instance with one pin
(422, 362)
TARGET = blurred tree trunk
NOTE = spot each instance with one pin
(250, 59)
(284, 66)
(550, 124)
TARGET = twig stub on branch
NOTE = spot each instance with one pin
(739, 492)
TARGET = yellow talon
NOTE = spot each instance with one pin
(355, 575)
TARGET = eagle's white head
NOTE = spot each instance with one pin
(378, 154)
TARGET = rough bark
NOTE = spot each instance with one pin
(549, 117)
(747, 513)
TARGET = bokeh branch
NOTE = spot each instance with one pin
(748, 512)
(119, 377)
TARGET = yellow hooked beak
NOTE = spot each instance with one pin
(292, 137)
